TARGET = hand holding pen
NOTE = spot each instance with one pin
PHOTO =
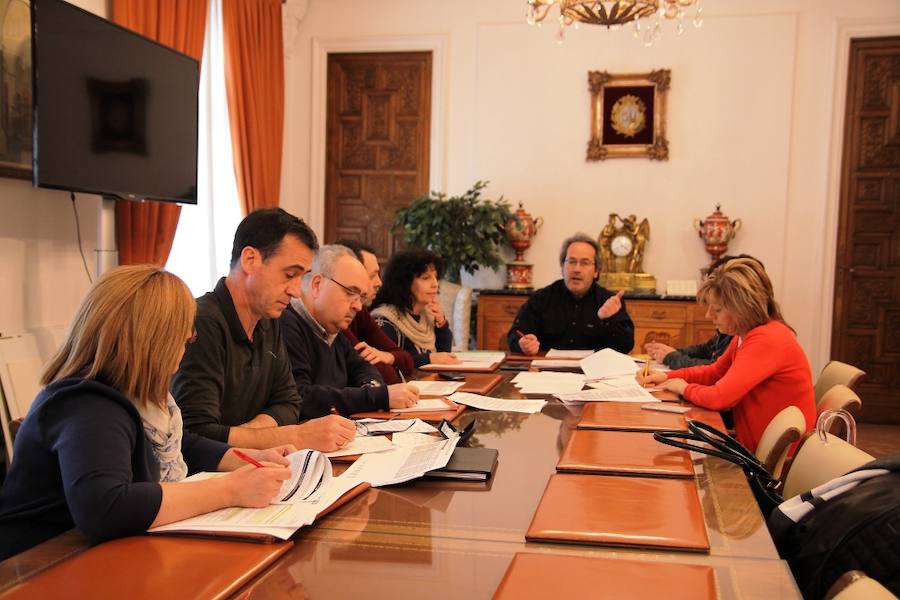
(528, 342)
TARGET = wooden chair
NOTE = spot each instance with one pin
(856, 585)
(820, 459)
(782, 431)
(836, 373)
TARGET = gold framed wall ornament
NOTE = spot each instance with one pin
(628, 115)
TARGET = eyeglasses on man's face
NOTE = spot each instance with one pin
(584, 263)
(353, 293)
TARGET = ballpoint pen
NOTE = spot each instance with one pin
(246, 458)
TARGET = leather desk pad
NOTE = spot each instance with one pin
(629, 416)
(620, 511)
(623, 453)
(539, 576)
(153, 567)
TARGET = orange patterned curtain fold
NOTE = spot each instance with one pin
(254, 82)
(145, 230)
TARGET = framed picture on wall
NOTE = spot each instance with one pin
(15, 89)
(628, 115)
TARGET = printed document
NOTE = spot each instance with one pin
(498, 404)
(425, 405)
(402, 464)
(633, 393)
(548, 382)
(363, 445)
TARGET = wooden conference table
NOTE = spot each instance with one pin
(446, 539)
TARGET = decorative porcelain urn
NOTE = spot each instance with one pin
(716, 231)
(520, 230)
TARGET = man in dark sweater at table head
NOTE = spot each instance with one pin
(330, 374)
(573, 312)
(365, 335)
(234, 383)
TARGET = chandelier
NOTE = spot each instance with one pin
(646, 15)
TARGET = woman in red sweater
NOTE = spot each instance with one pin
(764, 369)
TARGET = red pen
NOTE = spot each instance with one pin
(246, 458)
(519, 333)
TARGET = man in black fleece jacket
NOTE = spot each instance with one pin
(330, 375)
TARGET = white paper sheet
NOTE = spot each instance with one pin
(548, 382)
(498, 404)
(486, 357)
(608, 363)
(402, 464)
(425, 405)
(437, 388)
(633, 393)
(571, 364)
(362, 444)
(576, 354)
(406, 439)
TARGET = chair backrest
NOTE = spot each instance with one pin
(782, 431)
(20, 372)
(456, 301)
(836, 373)
(856, 585)
(839, 397)
(817, 462)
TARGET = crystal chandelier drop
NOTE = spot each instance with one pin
(645, 15)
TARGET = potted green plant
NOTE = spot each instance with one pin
(465, 231)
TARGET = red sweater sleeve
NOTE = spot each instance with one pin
(726, 382)
(367, 330)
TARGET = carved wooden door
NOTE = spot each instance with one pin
(866, 330)
(379, 118)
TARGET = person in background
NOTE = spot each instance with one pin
(331, 375)
(698, 354)
(102, 448)
(407, 308)
(764, 369)
(235, 385)
(573, 312)
(393, 363)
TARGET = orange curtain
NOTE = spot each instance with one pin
(145, 230)
(254, 82)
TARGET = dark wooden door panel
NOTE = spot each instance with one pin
(866, 329)
(379, 119)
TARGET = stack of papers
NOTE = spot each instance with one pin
(608, 363)
(549, 364)
(548, 382)
(402, 463)
(569, 354)
(425, 405)
(498, 404)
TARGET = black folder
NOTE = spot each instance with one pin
(471, 464)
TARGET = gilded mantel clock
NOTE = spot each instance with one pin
(622, 243)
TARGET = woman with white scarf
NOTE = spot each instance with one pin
(102, 448)
(407, 307)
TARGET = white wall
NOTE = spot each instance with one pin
(41, 272)
(753, 123)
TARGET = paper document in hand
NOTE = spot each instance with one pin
(363, 445)
(576, 354)
(498, 404)
(634, 393)
(309, 470)
(402, 464)
(608, 363)
(437, 388)
(426, 405)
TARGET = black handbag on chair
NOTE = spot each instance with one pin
(719, 444)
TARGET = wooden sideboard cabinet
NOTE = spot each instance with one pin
(676, 322)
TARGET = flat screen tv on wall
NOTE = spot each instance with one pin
(114, 112)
